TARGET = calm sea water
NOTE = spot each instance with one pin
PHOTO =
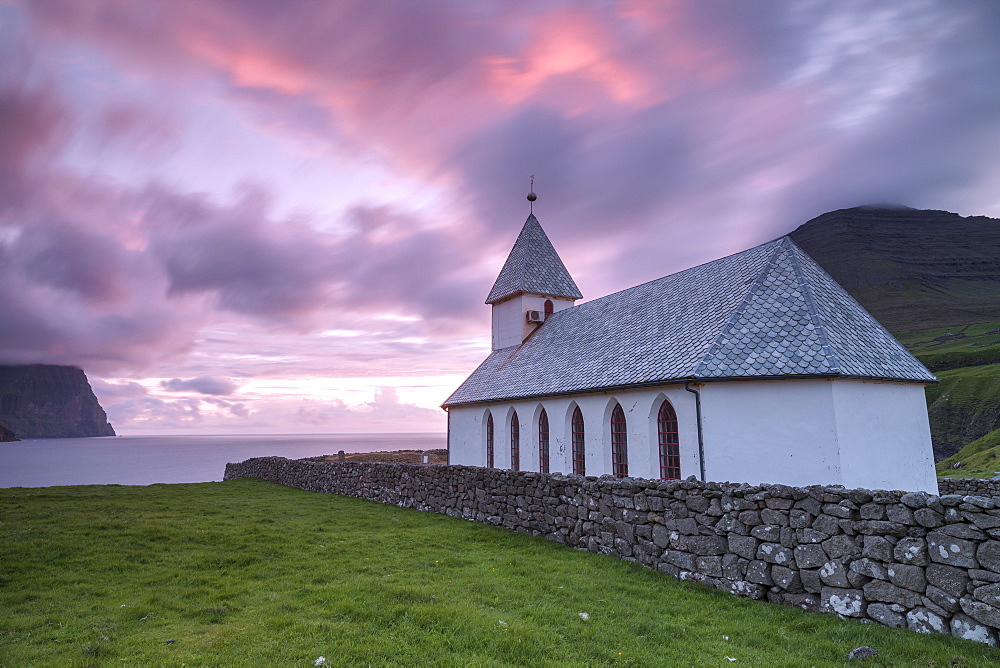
(144, 460)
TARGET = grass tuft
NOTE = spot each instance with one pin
(250, 573)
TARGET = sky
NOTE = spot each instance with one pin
(285, 216)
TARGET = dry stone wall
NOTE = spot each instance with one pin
(927, 563)
(976, 486)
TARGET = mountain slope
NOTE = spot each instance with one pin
(912, 269)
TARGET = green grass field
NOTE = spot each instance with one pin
(250, 573)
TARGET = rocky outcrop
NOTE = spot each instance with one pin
(7, 434)
(46, 401)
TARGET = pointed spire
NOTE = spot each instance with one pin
(533, 266)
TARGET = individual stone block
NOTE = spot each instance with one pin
(706, 546)
(942, 599)
(923, 620)
(872, 511)
(834, 574)
(900, 514)
(967, 531)
(870, 568)
(880, 590)
(877, 548)
(945, 549)
(882, 614)
(709, 566)
(911, 551)
(988, 594)
(744, 588)
(811, 536)
(950, 579)
(775, 553)
(847, 602)
(767, 532)
(907, 577)
(811, 580)
(745, 546)
(661, 536)
(841, 546)
(926, 517)
(769, 516)
(981, 612)
(759, 572)
(827, 524)
(787, 579)
(751, 518)
(915, 499)
(988, 555)
(734, 567)
(837, 511)
(810, 602)
(969, 629)
(799, 519)
(810, 556)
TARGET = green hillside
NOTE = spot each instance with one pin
(979, 459)
(964, 408)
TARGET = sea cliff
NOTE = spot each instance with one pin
(47, 401)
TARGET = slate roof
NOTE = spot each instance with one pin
(533, 266)
(768, 312)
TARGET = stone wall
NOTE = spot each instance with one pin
(969, 486)
(928, 563)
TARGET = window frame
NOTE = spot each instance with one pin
(515, 442)
(668, 438)
(578, 438)
(543, 442)
(489, 440)
(619, 442)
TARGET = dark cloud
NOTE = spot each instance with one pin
(201, 385)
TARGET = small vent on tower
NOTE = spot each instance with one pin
(536, 316)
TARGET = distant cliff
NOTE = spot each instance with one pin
(46, 401)
(6, 434)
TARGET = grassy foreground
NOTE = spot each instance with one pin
(250, 573)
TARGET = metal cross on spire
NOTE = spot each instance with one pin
(532, 196)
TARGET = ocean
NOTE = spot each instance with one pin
(145, 460)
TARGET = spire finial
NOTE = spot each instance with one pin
(532, 196)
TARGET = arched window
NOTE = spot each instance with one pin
(548, 308)
(670, 449)
(619, 443)
(515, 443)
(579, 452)
(489, 440)
(543, 442)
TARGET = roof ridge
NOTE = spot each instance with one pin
(807, 292)
(738, 311)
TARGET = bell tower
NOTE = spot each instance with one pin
(532, 285)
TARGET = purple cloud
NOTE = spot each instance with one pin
(201, 385)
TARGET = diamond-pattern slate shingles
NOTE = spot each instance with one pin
(767, 312)
(533, 266)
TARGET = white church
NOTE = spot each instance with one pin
(757, 367)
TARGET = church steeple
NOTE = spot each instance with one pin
(533, 284)
(533, 266)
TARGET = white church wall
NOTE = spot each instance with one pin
(794, 432)
(884, 435)
(777, 431)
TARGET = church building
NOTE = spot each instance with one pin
(757, 367)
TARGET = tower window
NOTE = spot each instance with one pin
(670, 451)
(579, 451)
(619, 443)
(549, 308)
(515, 443)
(543, 442)
(489, 440)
